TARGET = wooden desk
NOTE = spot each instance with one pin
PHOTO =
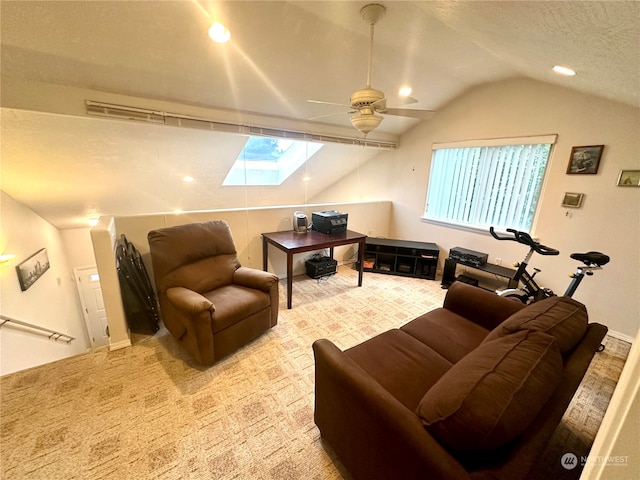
(291, 243)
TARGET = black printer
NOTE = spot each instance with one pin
(329, 221)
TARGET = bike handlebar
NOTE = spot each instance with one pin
(525, 239)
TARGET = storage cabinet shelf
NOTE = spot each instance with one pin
(401, 257)
(499, 277)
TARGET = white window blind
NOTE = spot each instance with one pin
(489, 182)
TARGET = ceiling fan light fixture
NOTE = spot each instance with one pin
(366, 123)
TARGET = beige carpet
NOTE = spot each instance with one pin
(148, 412)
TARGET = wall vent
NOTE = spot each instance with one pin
(122, 112)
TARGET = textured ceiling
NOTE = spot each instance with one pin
(280, 55)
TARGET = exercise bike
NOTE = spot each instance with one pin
(530, 291)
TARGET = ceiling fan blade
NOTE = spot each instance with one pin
(394, 100)
(329, 103)
(331, 115)
(401, 100)
(407, 112)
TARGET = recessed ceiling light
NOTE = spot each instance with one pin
(405, 91)
(187, 179)
(564, 71)
(306, 178)
(219, 33)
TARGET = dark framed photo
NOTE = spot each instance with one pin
(32, 268)
(572, 200)
(585, 160)
(629, 178)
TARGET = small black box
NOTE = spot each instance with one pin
(321, 266)
(468, 257)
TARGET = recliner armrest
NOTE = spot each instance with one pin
(480, 306)
(254, 278)
(189, 301)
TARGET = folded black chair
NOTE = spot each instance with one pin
(138, 298)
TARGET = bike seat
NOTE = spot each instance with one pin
(591, 258)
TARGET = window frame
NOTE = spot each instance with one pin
(495, 142)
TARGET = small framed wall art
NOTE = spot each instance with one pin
(572, 200)
(585, 160)
(629, 178)
(30, 270)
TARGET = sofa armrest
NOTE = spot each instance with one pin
(254, 278)
(189, 301)
(522, 457)
(480, 306)
(373, 434)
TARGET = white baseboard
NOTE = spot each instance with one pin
(621, 336)
(119, 345)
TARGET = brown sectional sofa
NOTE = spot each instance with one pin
(474, 389)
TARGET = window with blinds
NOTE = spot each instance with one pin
(488, 183)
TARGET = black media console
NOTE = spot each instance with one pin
(400, 257)
(503, 275)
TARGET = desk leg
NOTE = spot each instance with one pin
(361, 247)
(289, 278)
(265, 253)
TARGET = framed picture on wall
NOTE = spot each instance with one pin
(585, 160)
(629, 178)
(572, 200)
(30, 270)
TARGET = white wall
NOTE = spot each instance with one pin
(77, 242)
(51, 302)
(609, 220)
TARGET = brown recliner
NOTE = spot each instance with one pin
(208, 301)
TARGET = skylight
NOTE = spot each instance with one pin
(269, 161)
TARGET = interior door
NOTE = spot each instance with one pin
(95, 316)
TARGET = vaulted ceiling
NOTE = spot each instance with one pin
(66, 165)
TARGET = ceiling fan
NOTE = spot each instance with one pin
(369, 102)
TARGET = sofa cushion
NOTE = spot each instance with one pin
(405, 367)
(493, 394)
(449, 334)
(561, 317)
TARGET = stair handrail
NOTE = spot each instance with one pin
(52, 334)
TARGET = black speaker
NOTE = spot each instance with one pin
(449, 272)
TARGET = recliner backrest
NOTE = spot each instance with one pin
(197, 256)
